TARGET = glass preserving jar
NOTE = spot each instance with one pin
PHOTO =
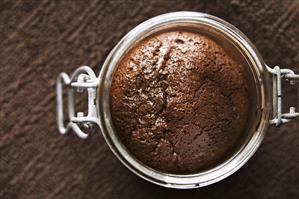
(264, 87)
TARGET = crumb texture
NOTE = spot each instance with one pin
(179, 102)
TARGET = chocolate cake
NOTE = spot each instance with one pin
(179, 102)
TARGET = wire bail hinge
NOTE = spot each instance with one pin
(278, 75)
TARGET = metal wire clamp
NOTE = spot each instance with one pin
(82, 78)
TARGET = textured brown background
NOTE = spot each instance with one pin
(39, 39)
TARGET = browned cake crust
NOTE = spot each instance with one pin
(179, 102)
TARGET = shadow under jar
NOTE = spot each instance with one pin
(120, 122)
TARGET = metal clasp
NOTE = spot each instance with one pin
(82, 78)
(278, 75)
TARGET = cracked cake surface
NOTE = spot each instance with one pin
(179, 102)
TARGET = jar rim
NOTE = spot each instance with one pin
(182, 181)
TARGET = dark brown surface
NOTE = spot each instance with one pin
(179, 102)
(39, 39)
